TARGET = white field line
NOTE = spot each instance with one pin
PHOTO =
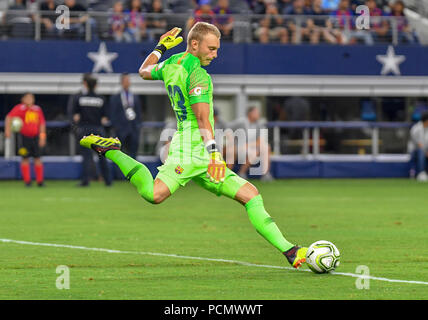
(243, 263)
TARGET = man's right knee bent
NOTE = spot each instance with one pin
(160, 191)
(247, 192)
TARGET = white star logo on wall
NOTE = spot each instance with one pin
(390, 62)
(102, 59)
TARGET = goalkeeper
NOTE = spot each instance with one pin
(193, 153)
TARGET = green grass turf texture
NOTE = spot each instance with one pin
(378, 223)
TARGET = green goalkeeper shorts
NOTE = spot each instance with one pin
(175, 175)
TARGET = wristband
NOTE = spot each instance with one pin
(42, 135)
(160, 48)
(211, 146)
(157, 54)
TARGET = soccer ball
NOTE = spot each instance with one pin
(16, 124)
(322, 256)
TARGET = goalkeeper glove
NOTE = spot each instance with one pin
(169, 40)
(216, 167)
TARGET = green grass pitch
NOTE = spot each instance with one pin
(378, 223)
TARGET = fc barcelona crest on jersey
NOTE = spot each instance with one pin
(178, 170)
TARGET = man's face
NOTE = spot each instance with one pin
(223, 3)
(126, 82)
(206, 8)
(299, 4)
(398, 7)
(371, 4)
(344, 4)
(118, 7)
(70, 3)
(157, 5)
(206, 50)
(135, 3)
(28, 100)
(254, 115)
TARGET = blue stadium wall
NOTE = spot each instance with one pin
(72, 57)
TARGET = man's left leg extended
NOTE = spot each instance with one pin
(154, 191)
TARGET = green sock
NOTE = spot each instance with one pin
(136, 172)
(265, 225)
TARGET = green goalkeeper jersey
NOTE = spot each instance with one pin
(186, 83)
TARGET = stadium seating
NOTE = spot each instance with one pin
(177, 12)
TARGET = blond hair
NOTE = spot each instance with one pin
(200, 30)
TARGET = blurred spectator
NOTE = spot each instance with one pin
(78, 18)
(136, 23)
(378, 25)
(405, 33)
(17, 5)
(259, 6)
(203, 13)
(308, 5)
(20, 24)
(418, 148)
(125, 115)
(48, 17)
(178, 6)
(257, 147)
(117, 22)
(384, 5)
(156, 25)
(316, 24)
(297, 109)
(332, 32)
(271, 26)
(224, 19)
(355, 4)
(302, 32)
(283, 5)
(342, 19)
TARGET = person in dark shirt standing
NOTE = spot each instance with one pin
(89, 116)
